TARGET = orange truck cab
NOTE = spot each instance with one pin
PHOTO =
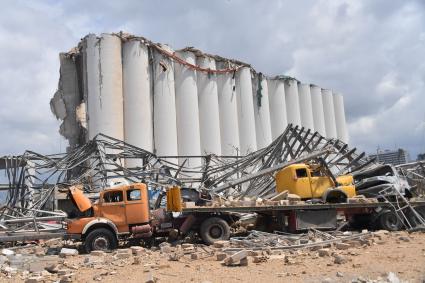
(120, 210)
(311, 182)
(124, 212)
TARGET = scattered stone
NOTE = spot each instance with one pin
(324, 252)
(243, 262)
(327, 280)
(150, 278)
(187, 246)
(339, 259)
(404, 238)
(7, 252)
(342, 246)
(220, 244)
(236, 258)
(259, 259)
(194, 256)
(122, 256)
(137, 250)
(97, 253)
(37, 250)
(137, 260)
(339, 274)
(174, 257)
(253, 253)
(34, 279)
(65, 252)
(357, 265)
(221, 256)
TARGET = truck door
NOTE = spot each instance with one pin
(113, 208)
(319, 183)
(137, 204)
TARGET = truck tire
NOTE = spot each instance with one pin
(360, 221)
(389, 220)
(100, 239)
(214, 229)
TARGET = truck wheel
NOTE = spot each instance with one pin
(100, 239)
(214, 229)
(360, 221)
(389, 220)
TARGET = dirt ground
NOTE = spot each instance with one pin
(400, 253)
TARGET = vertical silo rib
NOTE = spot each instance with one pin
(228, 109)
(317, 107)
(246, 120)
(292, 102)
(261, 111)
(341, 124)
(138, 124)
(328, 110)
(209, 118)
(277, 105)
(187, 110)
(165, 127)
(305, 106)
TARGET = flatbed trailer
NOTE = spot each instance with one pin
(298, 217)
(319, 206)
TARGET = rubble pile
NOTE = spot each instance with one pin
(51, 262)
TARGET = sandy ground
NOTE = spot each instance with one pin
(400, 253)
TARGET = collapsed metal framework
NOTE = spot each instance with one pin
(33, 178)
(415, 174)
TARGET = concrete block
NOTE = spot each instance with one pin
(7, 252)
(221, 256)
(324, 252)
(220, 244)
(342, 246)
(236, 257)
(68, 252)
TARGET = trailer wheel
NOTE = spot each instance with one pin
(389, 220)
(214, 229)
(360, 221)
(100, 239)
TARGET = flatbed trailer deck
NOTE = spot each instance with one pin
(337, 206)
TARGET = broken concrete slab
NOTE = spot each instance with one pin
(235, 258)
(65, 252)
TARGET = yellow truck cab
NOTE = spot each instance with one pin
(310, 182)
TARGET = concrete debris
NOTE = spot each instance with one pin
(339, 259)
(7, 252)
(324, 252)
(220, 244)
(238, 258)
(65, 252)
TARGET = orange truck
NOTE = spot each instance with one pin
(124, 212)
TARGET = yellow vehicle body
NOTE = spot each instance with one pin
(302, 180)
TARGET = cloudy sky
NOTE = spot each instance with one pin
(373, 51)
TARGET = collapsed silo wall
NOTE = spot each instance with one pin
(182, 103)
